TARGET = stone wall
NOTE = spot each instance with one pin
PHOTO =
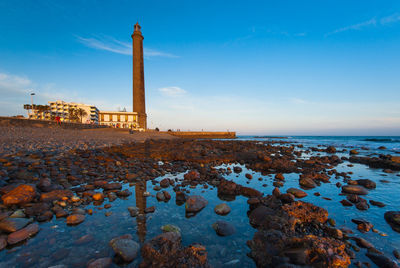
(203, 134)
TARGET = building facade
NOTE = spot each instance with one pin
(67, 111)
(120, 120)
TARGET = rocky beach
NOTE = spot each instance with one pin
(103, 198)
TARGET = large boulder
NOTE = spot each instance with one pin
(55, 195)
(23, 193)
(10, 225)
(223, 228)
(354, 189)
(125, 248)
(195, 203)
(23, 234)
(393, 218)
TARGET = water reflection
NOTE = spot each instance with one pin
(140, 188)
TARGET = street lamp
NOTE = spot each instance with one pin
(32, 94)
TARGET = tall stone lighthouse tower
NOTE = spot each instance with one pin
(139, 105)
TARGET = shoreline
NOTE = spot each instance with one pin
(64, 181)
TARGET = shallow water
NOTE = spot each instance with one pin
(55, 243)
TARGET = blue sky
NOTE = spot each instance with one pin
(257, 67)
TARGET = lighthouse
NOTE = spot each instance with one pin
(139, 105)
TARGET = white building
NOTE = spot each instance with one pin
(120, 119)
(64, 109)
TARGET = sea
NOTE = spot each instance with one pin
(56, 243)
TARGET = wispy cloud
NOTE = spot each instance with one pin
(298, 101)
(111, 44)
(369, 23)
(172, 91)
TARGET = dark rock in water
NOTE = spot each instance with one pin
(382, 260)
(23, 234)
(276, 192)
(223, 228)
(150, 209)
(306, 212)
(259, 215)
(287, 198)
(362, 225)
(393, 218)
(222, 209)
(396, 253)
(46, 216)
(112, 186)
(164, 183)
(133, 211)
(10, 225)
(100, 263)
(353, 152)
(166, 250)
(366, 183)
(377, 203)
(124, 193)
(195, 203)
(3, 242)
(23, 193)
(237, 169)
(248, 176)
(160, 196)
(192, 175)
(280, 177)
(75, 219)
(362, 205)
(249, 192)
(296, 192)
(84, 239)
(180, 198)
(354, 189)
(361, 242)
(330, 150)
(346, 203)
(125, 248)
(307, 182)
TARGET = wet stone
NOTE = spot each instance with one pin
(100, 263)
(75, 219)
(296, 192)
(133, 211)
(21, 194)
(195, 203)
(126, 249)
(222, 209)
(23, 234)
(354, 189)
(10, 225)
(223, 228)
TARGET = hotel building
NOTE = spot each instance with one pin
(120, 119)
(62, 109)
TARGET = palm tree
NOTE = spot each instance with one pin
(81, 113)
(72, 114)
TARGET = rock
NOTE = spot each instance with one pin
(18, 214)
(363, 225)
(306, 212)
(296, 192)
(396, 253)
(180, 197)
(377, 203)
(3, 243)
(75, 219)
(366, 183)
(237, 169)
(134, 211)
(253, 201)
(287, 198)
(353, 152)
(126, 249)
(249, 192)
(259, 215)
(307, 182)
(170, 228)
(361, 242)
(98, 196)
(84, 239)
(112, 186)
(164, 183)
(392, 218)
(330, 150)
(192, 175)
(23, 193)
(124, 193)
(195, 203)
(150, 209)
(167, 196)
(223, 228)
(56, 195)
(354, 189)
(10, 225)
(276, 192)
(100, 263)
(222, 209)
(346, 203)
(166, 250)
(23, 234)
(160, 196)
(381, 260)
(248, 176)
